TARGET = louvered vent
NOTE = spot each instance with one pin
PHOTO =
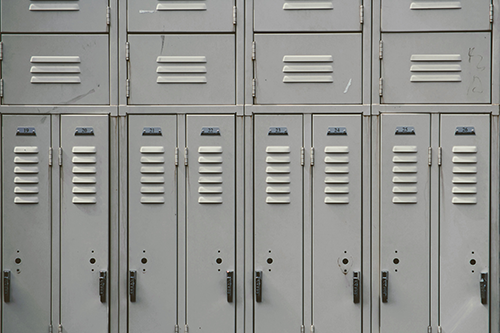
(26, 175)
(464, 175)
(278, 175)
(175, 5)
(308, 5)
(181, 69)
(404, 174)
(337, 178)
(55, 69)
(210, 175)
(152, 174)
(308, 69)
(54, 6)
(84, 174)
(436, 68)
(429, 5)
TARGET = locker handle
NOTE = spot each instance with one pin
(102, 285)
(229, 286)
(356, 287)
(385, 286)
(6, 286)
(258, 286)
(483, 285)
(132, 285)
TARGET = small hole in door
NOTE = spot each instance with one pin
(473, 262)
(345, 261)
(269, 261)
(396, 261)
(218, 261)
(144, 260)
(18, 261)
(92, 261)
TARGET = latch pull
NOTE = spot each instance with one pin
(229, 286)
(258, 286)
(132, 285)
(385, 286)
(483, 285)
(356, 287)
(102, 285)
(6, 286)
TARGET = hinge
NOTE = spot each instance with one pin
(491, 13)
(176, 157)
(361, 14)
(176, 328)
(59, 329)
(312, 156)
(440, 330)
(59, 156)
(50, 156)
(1, 51)
(381, 50)
(128, 88)
(302, 329)
(440, 156)
(186, 156)
(302, 155)
(186, 328)
(312, 328)
(254, 87)
(381, 87)
(254, 50)
(108, 15)
(50, 328)
(235, 14)
(429, 329)
(430, 156)
(127, 51)
(1, 87)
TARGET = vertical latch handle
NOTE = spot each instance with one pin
(258, 286)
(6, 286)
(102, 285)
(483, 285)
(356, 287)
(385, 286)
(229, 286)
(132, 285)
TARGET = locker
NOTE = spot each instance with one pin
(55, 69)
(337, 206)
(182, 69)
(278, 223)
(464, 223)
(308, 69)
(435, 15)
(210, 191)
(404, 223)
(84, 223)
(25, 16)
(436, 68)
(322, 15)
(26, 224)
(180, 16)
(152, 223)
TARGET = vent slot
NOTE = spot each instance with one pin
(438, 65)
(465, 189)
(181, 69)
(152, 163)
(84, 189)
(210, 190)
(278, 163)
(308, 70)
(403, 158)
(335, 189)
(52, 69)
(25, 192)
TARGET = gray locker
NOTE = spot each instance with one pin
(54, 16)
(55, 69)
(180, 16)
(308, 69)
(26, 224)
(84, 223)
(210, 251)
(293, 15)
(464, 223)
(152, 223)
(278, 223)
(182, 69)
(435, 15)
(337, 206)
(436, 68)
(404, 223)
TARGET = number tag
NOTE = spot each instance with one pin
(26, 131)
(336, 131)
(151, 131)
(84, 131)
(210, 131)
(405, 130)
(465, 130)
(278, 131)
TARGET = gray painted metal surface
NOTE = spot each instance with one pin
(152, 222)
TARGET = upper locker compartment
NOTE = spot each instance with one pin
(182, 69)
(306, 15)
(54, 16)
(435, 15)
(436, 68)
(308, 69)
(56, 69)
(180, 16)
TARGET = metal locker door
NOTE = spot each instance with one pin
(337, 206)
(435, 15)
(404, 223)
(436, 68)
(278, 223)
(308, 69)
(55, 16)
(180, 16)
(322, 15)
(464, 223)
(210, 187)
(56, 69)
(152, 223)
(26, 230)
(182, 69)
(84, 223)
